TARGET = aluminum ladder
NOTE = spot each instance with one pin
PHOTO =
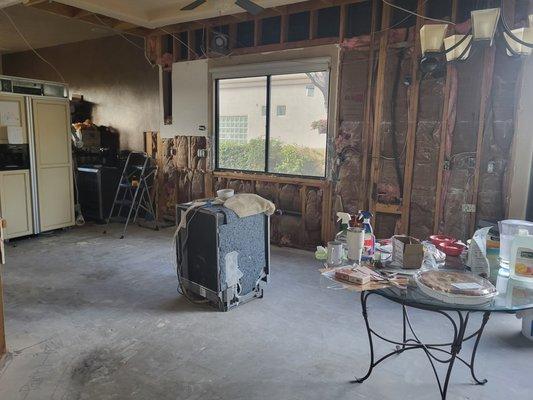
(134, 191)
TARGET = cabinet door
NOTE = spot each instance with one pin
(51, 121)
(15, 203)
(12, 116)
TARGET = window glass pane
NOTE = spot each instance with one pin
(298, 123)
(241, 123)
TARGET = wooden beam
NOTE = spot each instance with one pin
(486, 88)
(378, 104)
(451, 75)
(388, 208)
(313, 24)
(443, 132)
(412, 123)
(342, 22)
(367, 116)
(327, 193)
(260, 177)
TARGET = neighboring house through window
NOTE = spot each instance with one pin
(251, 137)
(233, 127)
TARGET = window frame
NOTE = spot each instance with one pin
(267, 125)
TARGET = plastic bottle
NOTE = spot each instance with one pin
(344, 219)
(521, 262)
(370, 240)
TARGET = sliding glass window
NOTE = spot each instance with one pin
(274, 124)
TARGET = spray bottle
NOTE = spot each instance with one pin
(370, 240)
(344, 219)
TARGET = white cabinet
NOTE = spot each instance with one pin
(51, 123)
(15, 203)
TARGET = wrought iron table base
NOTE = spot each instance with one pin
(447, 356)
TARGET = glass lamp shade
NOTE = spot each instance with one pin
(484, 23)
(525, 34)
(455, 53)
(432, 37)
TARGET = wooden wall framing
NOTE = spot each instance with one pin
(379, 44)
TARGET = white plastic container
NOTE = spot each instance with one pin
(521, 265)
(527, 323)
(508, 229)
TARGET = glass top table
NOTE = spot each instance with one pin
(517, 297)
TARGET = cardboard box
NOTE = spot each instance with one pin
(407, 252)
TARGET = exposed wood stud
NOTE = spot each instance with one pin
(486, 88)
(450, 73)
(367, 116)
(313, 24)
(342, 22)
(378, 104)
(412, 123)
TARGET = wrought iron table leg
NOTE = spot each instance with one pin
(364, 296)
(415, 343)
(484, 321)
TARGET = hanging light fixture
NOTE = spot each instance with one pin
(457, 47)
(431, 38)
(484, 23)
(515, 48)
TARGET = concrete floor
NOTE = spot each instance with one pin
(93, 317)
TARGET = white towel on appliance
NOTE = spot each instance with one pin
(246, 204)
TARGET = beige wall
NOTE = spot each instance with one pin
(109, 72)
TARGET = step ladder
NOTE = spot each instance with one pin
(134, 191)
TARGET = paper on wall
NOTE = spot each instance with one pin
(10, 113)
(15, 135)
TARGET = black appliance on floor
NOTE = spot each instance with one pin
(96, 187)
(221, 257)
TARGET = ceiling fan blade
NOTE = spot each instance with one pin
(193, 5)
(250, 6)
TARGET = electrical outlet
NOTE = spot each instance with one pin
(469, 208)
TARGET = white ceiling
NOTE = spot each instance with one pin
(43, 29)
(157, 13)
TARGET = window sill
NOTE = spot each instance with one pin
(269, 177)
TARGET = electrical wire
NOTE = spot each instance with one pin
(418, 15)
(179, 40)
(509, 32)
(399, 22)
(31, 47)
(121, 34)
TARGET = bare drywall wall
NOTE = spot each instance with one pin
(111, 73)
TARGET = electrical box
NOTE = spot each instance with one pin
(190, 100)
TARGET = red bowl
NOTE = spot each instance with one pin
(436, 239)
(451, 249)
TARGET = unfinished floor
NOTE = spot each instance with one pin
(94, 317)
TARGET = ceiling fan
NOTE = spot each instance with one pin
(247, 5)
